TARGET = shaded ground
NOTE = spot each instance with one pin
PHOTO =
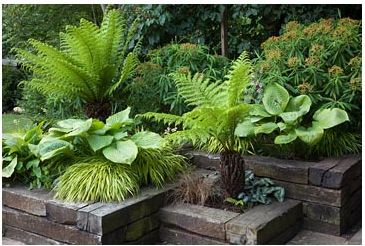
(14, 122)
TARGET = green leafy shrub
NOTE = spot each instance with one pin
(91, 65)
(323, 61)
(153, 76)
(110, 153)
(11, 77)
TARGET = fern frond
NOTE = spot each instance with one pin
(238, 78)
(198, 91)
(162, 117)
(198, 137)
(130, 64)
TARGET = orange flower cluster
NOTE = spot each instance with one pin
(335, 70)
(293, 61)
(355, 61)
(184, 70)
(292, 26)
(312, 60)
(355, 84)
(305, 88)
(316, 49)
(273, 54)
(188, 46)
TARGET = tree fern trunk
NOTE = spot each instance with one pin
(98, 110)
(232, 168)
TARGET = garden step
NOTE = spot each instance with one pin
(26, 237)
(306, 237)
(275, 223)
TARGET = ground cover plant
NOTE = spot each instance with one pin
(220, 118)
(93, 160)
(90, 66)
(321, 60)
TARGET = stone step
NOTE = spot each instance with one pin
(306, 237)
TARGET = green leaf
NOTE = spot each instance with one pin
(121, 152)
(148, 140)
(119, 135)
(37, 171)
(53, 147)
(245, 129)
(33, 163)
(290, 117)
(121, 117)
(97, 142)
(34, 149)
(301, 104)
(9, 169)
(80, 128)
(282, 126)
(275, 99)
(69, 123)
(328, 118)
(310, 135)
(259, 110)
(266, 128)
(284, 139)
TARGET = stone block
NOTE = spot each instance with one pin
(27, 237)
(204, 160)
(286, 170)
(46, 228)
(263, 223)
(30, 201)
(324, 213)
(63, 212)
(312, 193)
(103, 218)
(198, 219)
(179, 236)
(339, 175)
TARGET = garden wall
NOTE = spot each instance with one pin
(330, 189)
(34, 217)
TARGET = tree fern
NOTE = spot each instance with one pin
(91, 64)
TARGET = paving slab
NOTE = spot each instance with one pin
(306, 237)
(9, 241)
(356, 239)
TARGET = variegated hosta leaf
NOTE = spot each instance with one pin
(284, 139)
(310, 135)
(328, 118)
(52, 147)
(124, 152)
(275, 99)
(148, 140)
(245, 129)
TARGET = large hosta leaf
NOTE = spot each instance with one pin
(328, 118)
(275, 99)
(266, 128)
(97, 142)
(284, 139)
(80, 128)
(72, 127)
(52, 147)
(290, 117)
(9, 169)
(148, 140)
(310, 135)
(245, 129)
(121, 152)
(121, 117)
(301, 104)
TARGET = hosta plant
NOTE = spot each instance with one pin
(284, 114)
(91, 65)
(321, 60)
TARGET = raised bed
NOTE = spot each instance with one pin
(34, 217)
(276, 223)
(330, 189)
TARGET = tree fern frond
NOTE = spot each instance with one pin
(198, 137)
(238, 78)
(198, 91)
(130, 64)
(129, 36)
(162, 117)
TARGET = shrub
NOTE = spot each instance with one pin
(10, 91)
(321, 60)
(91, 65)
(153, 76)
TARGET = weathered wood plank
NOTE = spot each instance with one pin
(318, 169)
(312, 193)
(179, 236)
(63, 212)
(322, 227)
(286, 170)
(261, 224)
(198, 219)
(30, 201)
(28, 237)
(111, 216)
(339, 175)
(50, 229)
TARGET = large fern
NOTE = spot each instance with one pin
(91, 64)
(218, 109)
